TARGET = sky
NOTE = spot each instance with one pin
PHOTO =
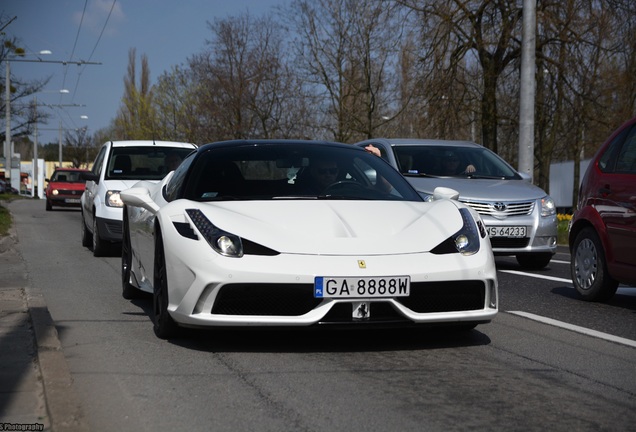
(168, 32)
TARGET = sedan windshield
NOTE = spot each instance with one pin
(280, 171)
(452, 161)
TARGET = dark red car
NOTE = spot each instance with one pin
(602, 234)
(65, 187)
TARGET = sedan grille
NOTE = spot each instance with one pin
(509, 243)
(501, 209)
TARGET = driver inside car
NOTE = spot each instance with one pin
(322, 174)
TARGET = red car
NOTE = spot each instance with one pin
(602, 235)
(65, 188)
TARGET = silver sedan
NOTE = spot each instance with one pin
(520, 218)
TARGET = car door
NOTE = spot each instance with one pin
(616, 199)
(90, 191)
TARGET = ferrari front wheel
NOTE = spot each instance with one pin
(164, 326)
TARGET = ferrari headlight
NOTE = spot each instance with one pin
(222, 242)
(548, 208)
(465, 241)
(113, 199)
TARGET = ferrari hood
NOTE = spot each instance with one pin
(481, 189)
(330, 227)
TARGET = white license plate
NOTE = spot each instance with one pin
(362, 287)
(506, 231)
(72, 200)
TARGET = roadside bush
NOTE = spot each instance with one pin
(562, 228)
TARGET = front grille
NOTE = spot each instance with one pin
(265, 299)
(487, 208)
(298, 299)
(70, 192)
(430, 297)
(504, 242)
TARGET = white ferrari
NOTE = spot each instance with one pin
(302, 233)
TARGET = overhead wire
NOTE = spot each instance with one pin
(82, 67)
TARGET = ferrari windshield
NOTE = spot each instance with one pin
(452, 161)
(293, 170)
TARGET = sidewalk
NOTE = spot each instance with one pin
(36, 391)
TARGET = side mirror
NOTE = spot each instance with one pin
(89, 176)
(445, 193)
(526, 177)
(139, 197)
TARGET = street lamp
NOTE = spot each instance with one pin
(8, 153)
(35, 142)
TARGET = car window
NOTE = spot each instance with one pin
(294, 172)
(67, 176)
(99, 161)
(609, 160)
(175, 184)
(626, 161)
(429, 160)
(142, 162)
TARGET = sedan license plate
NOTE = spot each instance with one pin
(362, 287)
(72, 200)
(506, 231)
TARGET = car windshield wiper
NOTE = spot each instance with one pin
(411, 174)
(485, 177)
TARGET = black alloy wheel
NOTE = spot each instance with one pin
(164, 326)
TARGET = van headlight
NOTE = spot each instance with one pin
(113, 199)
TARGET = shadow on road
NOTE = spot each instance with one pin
(322, 339)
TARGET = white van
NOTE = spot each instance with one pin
(119, 165)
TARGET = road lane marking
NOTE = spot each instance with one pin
(559, 261)
(622, 289)
(574, 328)
(552, 278)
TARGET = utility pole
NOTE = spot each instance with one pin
(35, 154)
(8, 153)
(527, 88)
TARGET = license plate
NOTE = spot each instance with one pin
(72, 200)
(362, 287)
(507, 231)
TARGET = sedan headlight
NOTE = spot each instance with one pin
(113, 199)
(222, 242)
(548, 208)
(465, 241)
(54, 192)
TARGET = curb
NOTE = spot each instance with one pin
(62, 403)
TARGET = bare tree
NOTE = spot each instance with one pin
(348, 53)
(79, 147)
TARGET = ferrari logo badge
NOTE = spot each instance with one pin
(362, 264)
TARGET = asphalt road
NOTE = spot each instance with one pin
(516, 373)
